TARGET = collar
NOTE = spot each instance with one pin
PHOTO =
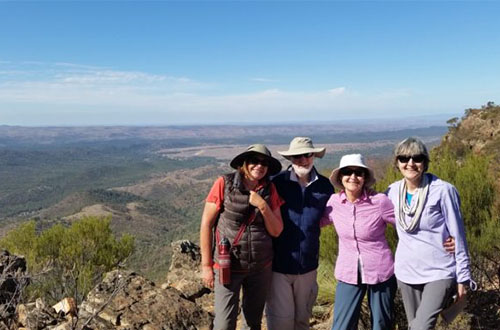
(365, 197)
(313, 175)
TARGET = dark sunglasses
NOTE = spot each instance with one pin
(416, 158)
(346, 171)
(308, 155)
(256, 161)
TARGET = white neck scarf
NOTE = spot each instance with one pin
(415, 211)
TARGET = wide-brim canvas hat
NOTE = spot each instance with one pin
(352, 160)
(257, 150)
(302, 145)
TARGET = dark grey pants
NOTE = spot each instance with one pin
(424, 302)
(255, 287)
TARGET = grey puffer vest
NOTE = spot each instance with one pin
(255, 248)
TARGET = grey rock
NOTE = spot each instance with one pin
(184, 274)
(125, 300)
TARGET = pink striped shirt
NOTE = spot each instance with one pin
(361, 227)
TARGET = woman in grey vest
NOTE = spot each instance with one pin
(243, 208)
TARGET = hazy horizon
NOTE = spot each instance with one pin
(421, 121)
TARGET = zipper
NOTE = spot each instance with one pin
(303, 194)
(249, 240)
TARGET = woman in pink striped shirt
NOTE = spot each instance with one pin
(365, 264)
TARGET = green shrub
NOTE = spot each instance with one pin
(68, 261)
(475, 184)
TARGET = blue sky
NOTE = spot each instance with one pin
(163, 63)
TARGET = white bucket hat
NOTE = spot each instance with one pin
(302, 145)
(352, 160)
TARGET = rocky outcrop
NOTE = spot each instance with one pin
(184, 274)
(125, 300)
(478, 130)
(38, 315)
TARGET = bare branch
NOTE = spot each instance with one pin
(121, 284)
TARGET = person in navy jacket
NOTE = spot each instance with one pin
(296, 251)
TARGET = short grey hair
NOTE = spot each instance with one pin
(409, 147)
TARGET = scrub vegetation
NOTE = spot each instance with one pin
(67, 261)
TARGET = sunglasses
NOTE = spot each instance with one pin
(308, 155)
(416, 158)
(346, 171)
(258, 161)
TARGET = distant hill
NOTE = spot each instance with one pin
(185, 136)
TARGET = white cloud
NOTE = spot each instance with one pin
(257, 79)
(74, 66)
(35, 90)
(112, 77)
(34, 82)
(337, 91)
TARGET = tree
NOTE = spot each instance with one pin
(489, 104)
(453, 122)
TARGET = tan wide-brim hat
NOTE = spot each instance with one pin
(356, 160)
(302, 145)
(257, 150)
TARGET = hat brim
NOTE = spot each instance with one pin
(318, 152)
(274, 164)
(334, 177)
